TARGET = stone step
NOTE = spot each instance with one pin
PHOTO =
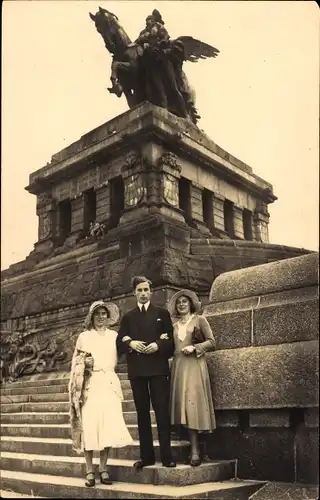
(120, 470)
(44, 377)
(37, 397)
(58, 447)
(44, 387)
(60, 431)
(34, 398)
(72, 487)
(130, 417)
(57, 406)
(24, 383)
(122, 368)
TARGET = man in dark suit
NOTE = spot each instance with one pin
(148, 369)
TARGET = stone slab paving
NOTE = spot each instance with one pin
(12, 494)
(69, 487)
(286, 491)
(120, 470)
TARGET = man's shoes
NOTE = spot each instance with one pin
(195, 462)
(170, 463)
(143, 463)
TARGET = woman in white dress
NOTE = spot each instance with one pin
(100, 403)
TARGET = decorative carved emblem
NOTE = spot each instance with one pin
(134, 190)
(43, 199)
(262, 231)
(131, 160)
(170, 190)
(169, 159)
(45, 227)
(19, 357)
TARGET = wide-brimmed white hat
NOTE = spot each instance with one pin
(111, 308)
(186, 293)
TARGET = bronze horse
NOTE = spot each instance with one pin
(125, 55)
(151, 74)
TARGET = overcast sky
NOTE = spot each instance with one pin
(258, 99)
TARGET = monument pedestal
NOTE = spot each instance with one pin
(176, 208)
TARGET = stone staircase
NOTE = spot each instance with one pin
(37, 457)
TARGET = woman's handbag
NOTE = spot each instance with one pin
(197, 335)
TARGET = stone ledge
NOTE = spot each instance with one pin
(297, 272)
(306, 294)
(213, 242)
(120, 133)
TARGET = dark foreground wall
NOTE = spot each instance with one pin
(265, 372)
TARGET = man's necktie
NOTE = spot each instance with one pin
(143, 309)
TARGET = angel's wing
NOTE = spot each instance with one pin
(195, 49)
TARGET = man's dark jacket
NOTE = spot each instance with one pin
(147, 327)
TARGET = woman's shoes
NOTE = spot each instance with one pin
(91, 481)
(104, 477)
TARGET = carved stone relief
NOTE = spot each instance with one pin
(134, 190)
(171, 160)
(43, 199)
(21, 355)
(262, 230)
(45, 226)
(171, 190)
(131, 160)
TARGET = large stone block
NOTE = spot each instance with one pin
(264, 454)
(278, 318)
(268, 453)
(297, 272)
(287, 322)
(187, 271)
(307, 455)
(278, 376)
(62, 286)
(231, 330)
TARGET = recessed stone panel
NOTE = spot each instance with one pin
(268, 377)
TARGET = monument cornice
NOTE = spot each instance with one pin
(147, 122)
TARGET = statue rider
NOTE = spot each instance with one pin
(154, 33)
(161, 67)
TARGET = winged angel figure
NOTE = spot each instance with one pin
(150, 69)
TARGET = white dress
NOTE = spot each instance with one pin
(103, 424)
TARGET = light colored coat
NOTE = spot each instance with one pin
(77, 390)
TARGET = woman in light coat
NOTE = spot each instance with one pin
(191, 404)
(97, 422)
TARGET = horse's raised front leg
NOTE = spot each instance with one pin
(116, 86)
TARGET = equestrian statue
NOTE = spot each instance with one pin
(150, 69)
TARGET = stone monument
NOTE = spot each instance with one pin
(145, 193)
